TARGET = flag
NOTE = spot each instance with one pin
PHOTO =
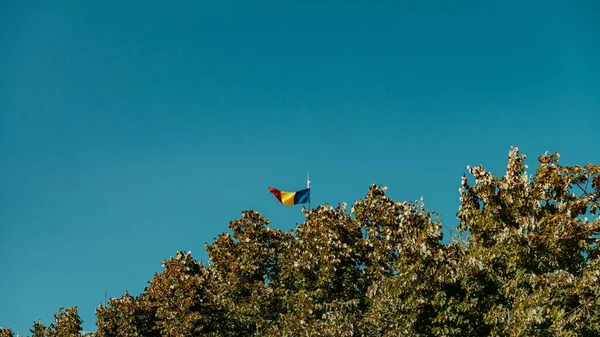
(291, 198)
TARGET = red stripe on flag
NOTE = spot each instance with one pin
(276, 193)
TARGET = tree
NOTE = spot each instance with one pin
(524, 261)
(320, 276)
(182, 298)
(247, 274)
(67, 323)
(39, 329)
(533, 246)
(6, 332)
(124, 317)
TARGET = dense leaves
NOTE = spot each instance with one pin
(524, 261)
(6, 332)
(66, 324)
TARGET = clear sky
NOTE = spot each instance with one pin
(132, 129)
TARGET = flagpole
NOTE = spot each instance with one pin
(308, 186)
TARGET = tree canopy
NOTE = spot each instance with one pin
(523, 261)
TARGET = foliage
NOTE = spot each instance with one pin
(67, 323)
(6, 332)
(524, 261)
(39, 329)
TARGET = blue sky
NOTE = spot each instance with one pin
(130, 130)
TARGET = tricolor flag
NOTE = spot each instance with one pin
(291, 198)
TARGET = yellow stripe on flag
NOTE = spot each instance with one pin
(287, 198)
